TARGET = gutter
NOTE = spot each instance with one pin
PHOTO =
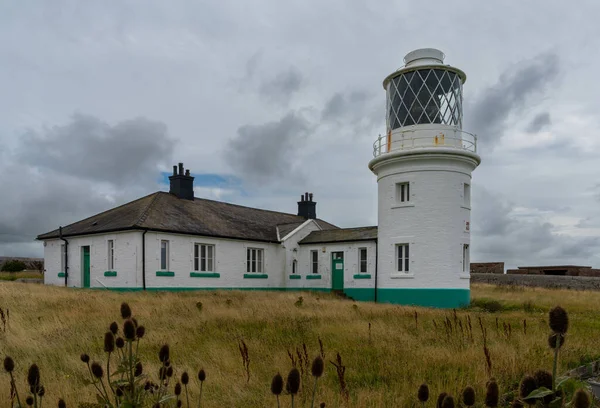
(144, 259)
(66, 254)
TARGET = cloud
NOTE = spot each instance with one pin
(489, 112)
(127, 152)
(281, 87)
(266, 152)
(539, 122)
(345, 104)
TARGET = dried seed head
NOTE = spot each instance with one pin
(114, 328)
(317, 367)
(138, 369)
(97, 370)
(9, 364)
(527, 386)
(125, 311)
(581, 399)
(62, 404)
(559, 320)
(29, 400)
(135, 323)
(170, 371)
(119, 392)
(448, 402)
(178, 389)
(423, 393)
(167, 363)
(293, 381)
(33, 376)
(119, 342)
(147, 385)
(440, 399)
(140, 331)
(322, 405)
(41, 391)
(179, 403)
(543, 379)
(277, 384)
(185, 378)
(163, 354)
(85, 358)
(468, 396)
(556, 340)
(202, 375)
(517, 404)
(492, 394)
(109, 342)
(129, 329)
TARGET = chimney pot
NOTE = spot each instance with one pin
(181, 169)
(174, 170)
(187, 172)
(310, 196)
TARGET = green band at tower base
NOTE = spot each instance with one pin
(441, 298)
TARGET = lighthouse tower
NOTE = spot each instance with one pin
(423, 166)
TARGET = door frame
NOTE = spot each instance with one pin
(85, 272)
(333, 270)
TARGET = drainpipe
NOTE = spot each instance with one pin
(144, 259)
(376, 254)
(66, 254)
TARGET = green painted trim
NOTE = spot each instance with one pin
(361, 294)
(313, 276)
(255, 276)
(165, 273)
(295, 277)
(183, 289)
(362, 276)
(440, 298)
(110, 273)
(61, 274)
(205, 275)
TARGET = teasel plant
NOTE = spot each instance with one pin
(292, 385)
(423, 394)
(35, 396)
(318, 366)
(277, 387)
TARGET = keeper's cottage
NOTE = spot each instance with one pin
(418, 254)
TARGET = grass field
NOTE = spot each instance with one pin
(384, 364)
(10, 276)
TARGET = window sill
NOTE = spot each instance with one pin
(313, 276)
(465, 276)
(402, 275)
(255, 276)
(165, 273)
(61, 275)
(205, 275)
(295, 277)
(110, 273)
(402, 205)
(362, 276)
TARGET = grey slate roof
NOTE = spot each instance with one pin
(165, 212)
(285, 229)
(341, 235)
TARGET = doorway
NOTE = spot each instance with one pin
(337, 270)
(85, 265)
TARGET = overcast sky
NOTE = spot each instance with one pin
(264, 100)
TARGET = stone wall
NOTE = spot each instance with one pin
(487, 267)
(557, 282)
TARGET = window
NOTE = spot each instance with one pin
(402, 258)
(467, 195)
(164, 255)
(63, 256)
(111, 254)
(204, 258)
(362, 260)
(402, 192)
(254, 260)
(314, 261)
(466, 260)
(294, 266)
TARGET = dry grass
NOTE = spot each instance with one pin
(384, 365)
(28, 274)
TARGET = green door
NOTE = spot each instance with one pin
(337, 270)
(85, 255)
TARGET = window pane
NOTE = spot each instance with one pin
(406, 261)
(259, 260)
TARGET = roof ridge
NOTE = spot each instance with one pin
(144, 214)
(245, 206)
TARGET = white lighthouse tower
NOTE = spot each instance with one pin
(423, 166)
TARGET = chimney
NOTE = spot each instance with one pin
(307, 208)
(182, 185)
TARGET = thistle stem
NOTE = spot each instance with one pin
(555, 362)
(314, 393)
(200, 398)
(292, 400)
(277, 401)
(12, 380)
(187, 397)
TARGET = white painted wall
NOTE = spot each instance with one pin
(433, 222)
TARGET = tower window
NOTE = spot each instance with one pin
(466, 260)
(402, 192)
(402, 258)
(467, 194)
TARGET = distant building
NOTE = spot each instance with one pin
(487, 267)
(418, 254)
(555, 270)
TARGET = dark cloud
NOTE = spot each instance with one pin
(345, 104)
(281, 87)
(487, 115)
(268, 151)
(540, 122)
(90, 148)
